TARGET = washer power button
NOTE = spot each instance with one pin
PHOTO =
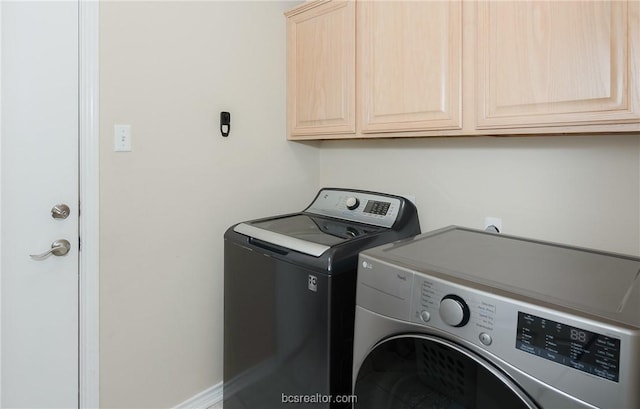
(485, 338)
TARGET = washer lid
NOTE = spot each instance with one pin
(306, 234)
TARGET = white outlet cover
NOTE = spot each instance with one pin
(493, 221)
(411, 198)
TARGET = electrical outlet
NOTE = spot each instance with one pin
(493, 221)
(412, 198)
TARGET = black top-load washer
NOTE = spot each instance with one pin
(289, 297)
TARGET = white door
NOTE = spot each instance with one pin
(39, 169)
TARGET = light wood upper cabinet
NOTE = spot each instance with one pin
(451, 67)
(321, 68)
(409, 76)
(545, 63)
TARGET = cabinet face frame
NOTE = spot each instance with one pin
(425, 93)
(321, 97)
(614, 100)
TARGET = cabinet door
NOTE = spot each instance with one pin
(556, 63)
(409, 65)
(321, 68)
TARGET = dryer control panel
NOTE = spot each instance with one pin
(482, 317)
(448, 308)
(577, 348)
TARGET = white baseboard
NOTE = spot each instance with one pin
(205, 399)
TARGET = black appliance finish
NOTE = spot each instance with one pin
(289, 297)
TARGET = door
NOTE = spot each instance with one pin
(419, 371)
(39, 170)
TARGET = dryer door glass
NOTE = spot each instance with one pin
(427, 372)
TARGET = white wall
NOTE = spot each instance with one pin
(581, 190)
(168, 69)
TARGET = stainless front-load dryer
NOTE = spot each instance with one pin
(459, 318)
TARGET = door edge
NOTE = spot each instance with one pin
(89, 194)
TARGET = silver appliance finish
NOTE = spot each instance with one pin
(335, 203)
(401, 287)
(353, 206)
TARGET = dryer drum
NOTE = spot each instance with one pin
(421, 372)
(446, 371)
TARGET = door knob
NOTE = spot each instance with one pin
(58, 248)
(60, 211)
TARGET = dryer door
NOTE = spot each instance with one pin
(421, 371)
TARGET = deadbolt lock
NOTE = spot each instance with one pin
(60, 211)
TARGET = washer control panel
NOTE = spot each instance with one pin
(369, 208)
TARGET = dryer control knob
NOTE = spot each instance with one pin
(352, 203)
(454, 311)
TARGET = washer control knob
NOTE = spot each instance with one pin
(425, 316)
(454, 311)
(352, 203)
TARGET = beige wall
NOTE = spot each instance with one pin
(582, 190)
(168, 69)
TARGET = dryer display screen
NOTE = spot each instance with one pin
(586, 351)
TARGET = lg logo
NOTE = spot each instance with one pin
(313, 283)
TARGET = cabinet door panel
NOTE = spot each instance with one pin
(409, 65)
(321, 69)
(554, 63)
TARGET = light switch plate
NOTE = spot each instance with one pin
(122, 138)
